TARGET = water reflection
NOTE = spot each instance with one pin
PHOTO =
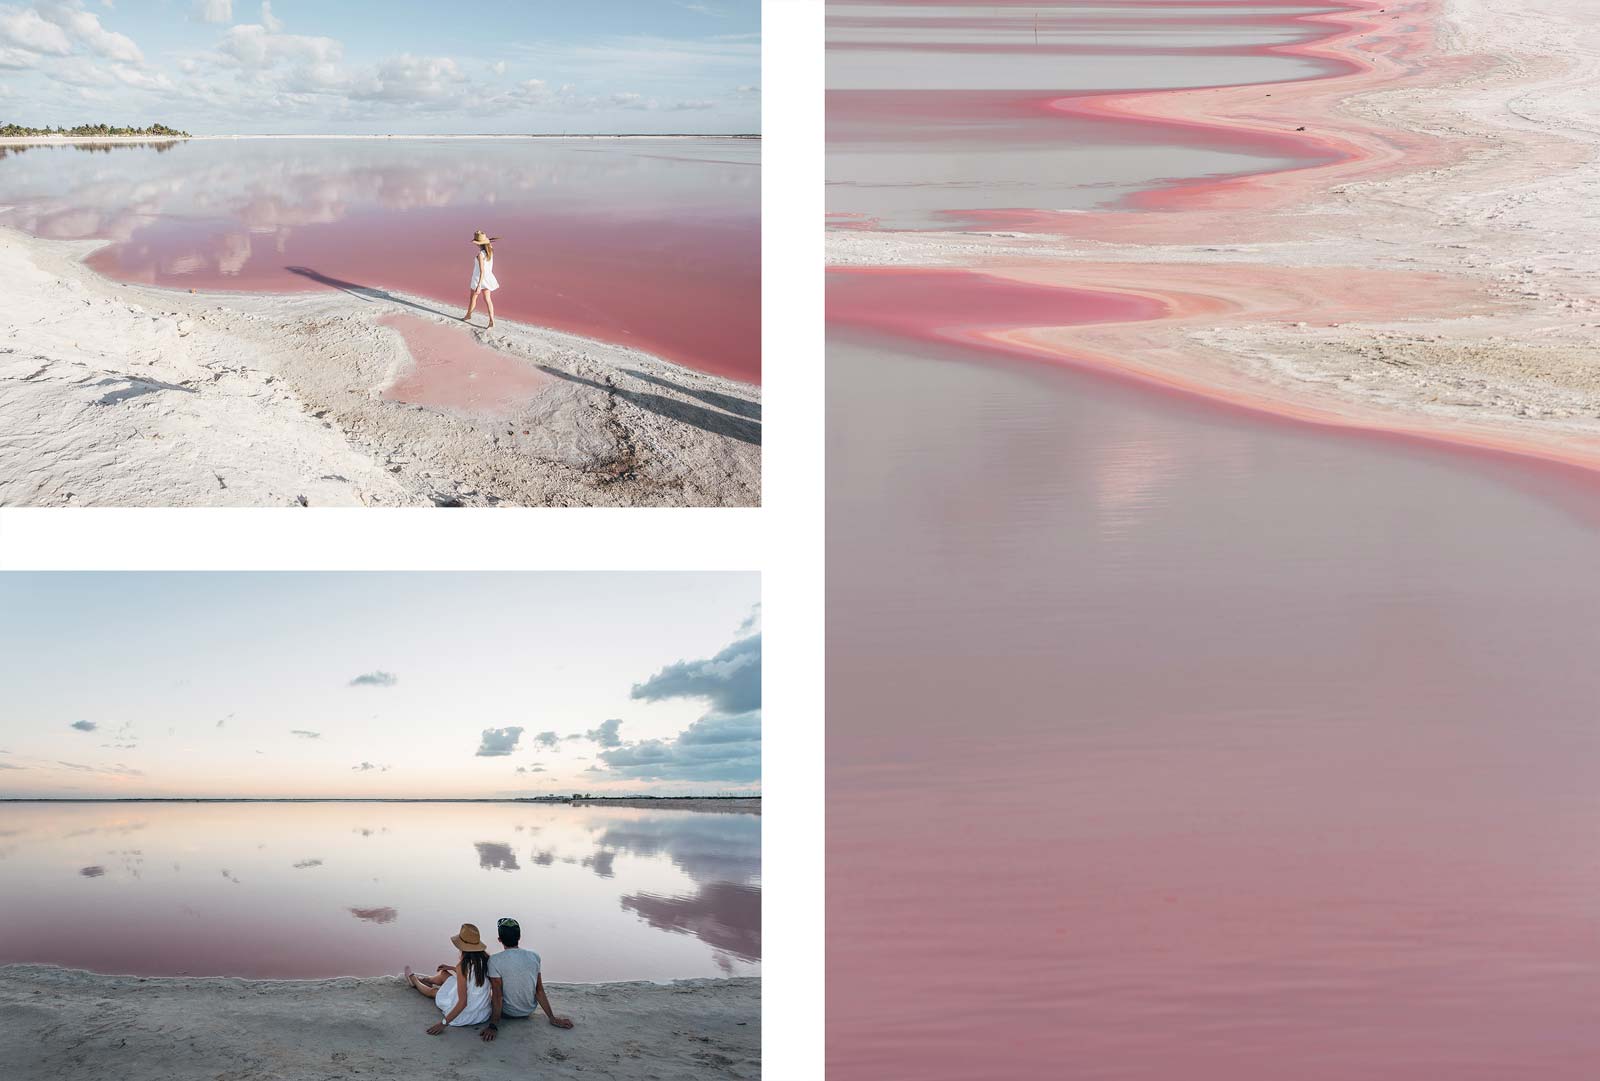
(383, 914)
(708, 847)
(725, 914)
(495, 857)
(618, 893)
(609, 241)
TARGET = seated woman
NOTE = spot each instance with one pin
(461, 991)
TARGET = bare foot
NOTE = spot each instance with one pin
(491, 324)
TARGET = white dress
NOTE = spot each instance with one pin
(475, 1012)
(483, 275)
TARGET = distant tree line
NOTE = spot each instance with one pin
(13, 131)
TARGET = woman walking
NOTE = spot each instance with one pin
(484, 282)
(461, 991)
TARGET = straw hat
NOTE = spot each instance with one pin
(468, 941)
(481, 238)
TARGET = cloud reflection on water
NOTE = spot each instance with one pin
(493, 856)
(723, 914)
(382, 914)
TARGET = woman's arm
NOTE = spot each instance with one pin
(544, 1004)
(461, 1002)
(496, 1000)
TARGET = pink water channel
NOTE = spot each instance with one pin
(649, 243)
(1165, 741)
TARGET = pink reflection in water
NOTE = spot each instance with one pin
(284, 890)
(921, 132)
(451, 370)
(651, 244)
(1167, 744)
(947, 305)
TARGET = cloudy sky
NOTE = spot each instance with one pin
(403, 66)
(419, 685)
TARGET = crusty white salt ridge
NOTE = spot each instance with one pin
(1503, 221)
(125, 395)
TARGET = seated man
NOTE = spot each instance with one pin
(515, 983)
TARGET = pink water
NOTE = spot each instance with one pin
(1165, 742)
(450, 370)
(647, 243)
(303, 890)
(956, 115)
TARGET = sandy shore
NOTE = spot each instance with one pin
(64, 1023)
(1439, 280)
(57, 140)
(126, 395)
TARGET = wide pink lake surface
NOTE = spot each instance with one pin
(302, 890)
(1164, 741)
(650, 243)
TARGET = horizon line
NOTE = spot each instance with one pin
(67, 137)
(351, 799)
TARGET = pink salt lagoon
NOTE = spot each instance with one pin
(449, 370)
(649, 243)
(941, 115)
(311, 890)
(1166, 741)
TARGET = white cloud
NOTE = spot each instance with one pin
(267, 20)
(253, 46)
(85, 28)
(407, 79)
(214, 11)
(26, 29)
(141, 79)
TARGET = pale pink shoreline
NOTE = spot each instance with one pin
(1381, 44)
(1099, 342)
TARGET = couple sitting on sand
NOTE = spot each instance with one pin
(479, 988)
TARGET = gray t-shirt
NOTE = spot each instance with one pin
(518, 972)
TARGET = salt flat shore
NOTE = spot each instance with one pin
(1442, 280)
(61, 140)
(66, 1023)
(750, 805)
(126, 395)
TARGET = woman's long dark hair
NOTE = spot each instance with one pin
(475, 965)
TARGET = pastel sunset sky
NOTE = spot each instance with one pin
(359, 685)
(218, 67)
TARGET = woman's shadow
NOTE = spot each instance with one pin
(743, 424)
(365, 292)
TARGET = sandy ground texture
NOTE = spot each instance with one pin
(1442, 280)
(65, 1023)
(125, 395)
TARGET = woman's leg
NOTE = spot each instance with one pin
(427, 987)
(488, 298)
(472, 304)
